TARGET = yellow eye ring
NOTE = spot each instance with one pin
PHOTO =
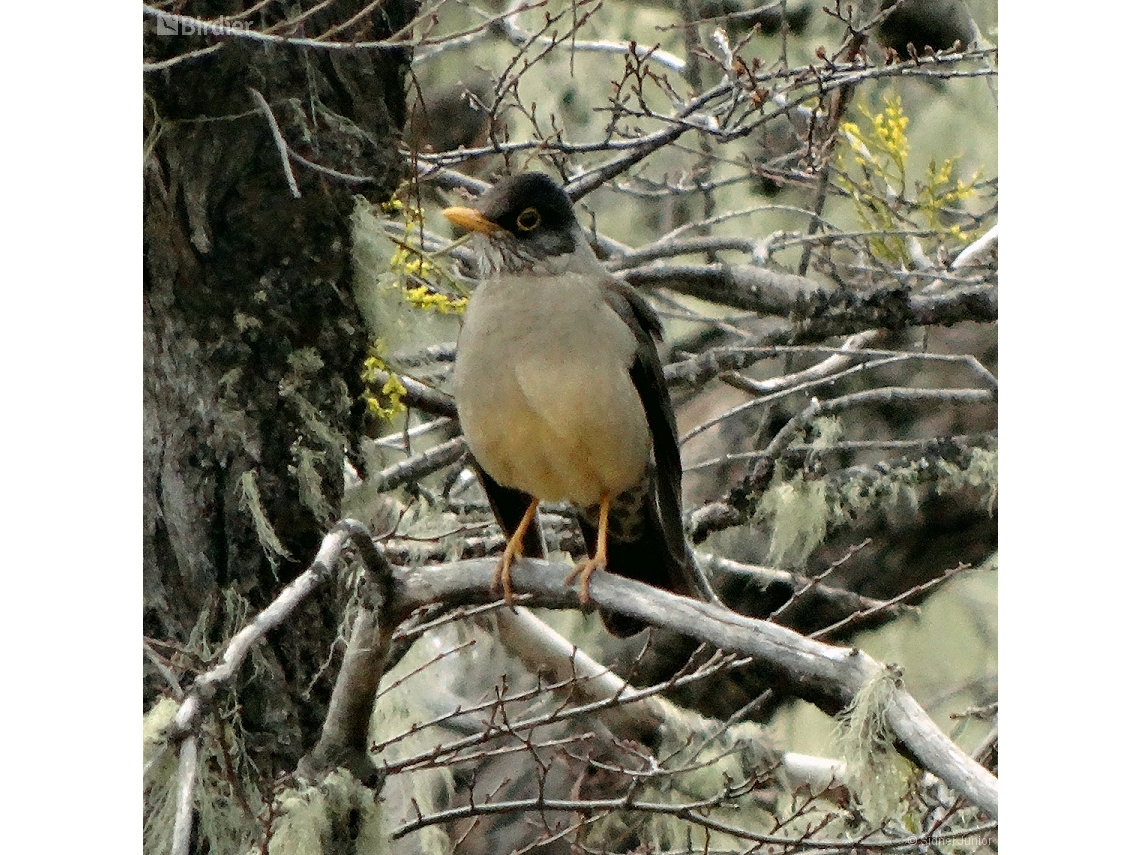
(528, 220)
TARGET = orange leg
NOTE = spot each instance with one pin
(514, 550)
(586, 568)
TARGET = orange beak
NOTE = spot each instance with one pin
(470, 219)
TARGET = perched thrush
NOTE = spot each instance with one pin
(562, 397)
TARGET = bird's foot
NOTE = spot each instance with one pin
(502, 577)
(583, 570)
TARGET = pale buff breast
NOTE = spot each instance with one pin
(545, 399)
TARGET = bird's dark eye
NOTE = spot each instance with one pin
(528, 220)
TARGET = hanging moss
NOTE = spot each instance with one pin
(799, 512)
(877, 775)
(327, 818)
(251, 501)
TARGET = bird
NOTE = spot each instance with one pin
(937, 24)
(740, 16)
(453, 116)
(561, 396)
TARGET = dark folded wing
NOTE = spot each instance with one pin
(660, 555)
(649, 380)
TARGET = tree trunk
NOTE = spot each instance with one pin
(253, 345)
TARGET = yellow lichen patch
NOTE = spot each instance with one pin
(426, 285)
(423, 298)
(387, 403)
(872, 170)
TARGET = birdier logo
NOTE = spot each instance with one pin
(166, 25)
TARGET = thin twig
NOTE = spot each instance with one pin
(816, 582)
(909, 593)
(966, 257)
(923, 445)
(332, 173)
(163, 669)
(839, 598)
(176, 60)
(518, 36)
(282, 148)
(695, 812)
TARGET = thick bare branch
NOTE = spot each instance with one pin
(733, 509)
(420, 465)
(187, 782)
(655, 138)
(820, 310)
(808, 663)
(344, 734)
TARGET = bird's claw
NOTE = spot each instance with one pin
(514, 549)
(584, 570)
(502, 577)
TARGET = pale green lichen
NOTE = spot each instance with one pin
(160, 778)
(309, 482)
(251, 502)
(333, 815)
(828, 431)
(226, 799)
(980, 473)
(877, 775)
(799, 513)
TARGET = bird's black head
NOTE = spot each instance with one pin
(527, 220)
(535, 210)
